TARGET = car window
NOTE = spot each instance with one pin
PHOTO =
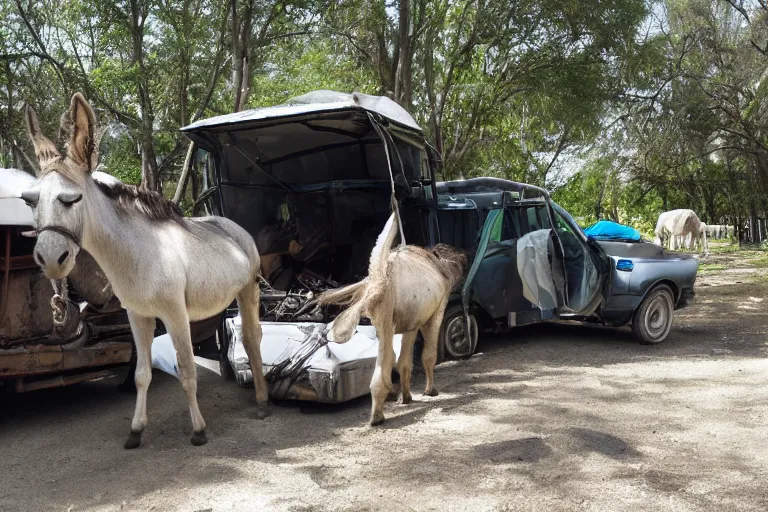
(562, 225)
(505, 228)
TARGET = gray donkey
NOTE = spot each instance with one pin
(160, 265)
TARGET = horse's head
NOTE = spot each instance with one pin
(57, 196)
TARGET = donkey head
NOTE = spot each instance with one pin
(56, 197)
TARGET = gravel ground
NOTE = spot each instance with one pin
(550, 417)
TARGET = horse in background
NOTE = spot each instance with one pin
(675, 226)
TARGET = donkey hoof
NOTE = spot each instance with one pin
(263, 411)
(432, 392)
(199, 438)
(392, 396)
(406, 399)
(377, 419)
(133, 441)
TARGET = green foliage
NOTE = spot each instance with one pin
(622, 107)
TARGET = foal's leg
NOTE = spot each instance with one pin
(431, 334)
(405, 364)
(178, 327)
(143, 331)
(381, 383)
(248, 303)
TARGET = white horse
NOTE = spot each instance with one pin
(160, 265)
(675, 226)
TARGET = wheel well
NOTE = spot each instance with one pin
(484, 320)
(672, 286)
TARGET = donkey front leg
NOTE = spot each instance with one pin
(143, 329)
(248, 303)
(177, 324)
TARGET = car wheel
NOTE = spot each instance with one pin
(653, 319)
(454, 342)
(225, 367)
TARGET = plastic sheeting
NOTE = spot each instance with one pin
(164, 355)
(609, 230)
(336, 372)
(533, 250)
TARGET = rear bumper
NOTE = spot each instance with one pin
(686, 298)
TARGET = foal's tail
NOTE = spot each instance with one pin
(352, 296)
(362, 296)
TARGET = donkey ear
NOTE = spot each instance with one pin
(44, 149)
(82, 125)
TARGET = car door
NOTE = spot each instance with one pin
(496, 283)
(584, 266)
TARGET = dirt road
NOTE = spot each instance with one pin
(548, 418)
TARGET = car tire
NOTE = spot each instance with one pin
(653, 319)
(225, 367)
(453, 342)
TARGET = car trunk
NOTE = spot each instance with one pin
(313, 183)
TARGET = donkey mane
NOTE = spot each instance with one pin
(132, 199)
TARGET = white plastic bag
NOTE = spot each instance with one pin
(164, 355)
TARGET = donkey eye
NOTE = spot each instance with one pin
(69, 198)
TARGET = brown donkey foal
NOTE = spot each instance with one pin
(406, 291)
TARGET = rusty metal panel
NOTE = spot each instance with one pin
(30, 360)
(101, 354)
(41, 359)
(28, 313)
(23, 386)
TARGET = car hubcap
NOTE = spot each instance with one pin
(457, 342)
(657, 316)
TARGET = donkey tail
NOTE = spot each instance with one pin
(377, 267)
(341, 296)
(361, 296)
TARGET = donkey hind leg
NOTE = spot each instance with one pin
(405, 364)
(248, 303)
(143, 329)
(381, 383)
(431, 334)
(178, 328)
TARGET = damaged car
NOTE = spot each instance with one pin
(533, 263)
(314, 182)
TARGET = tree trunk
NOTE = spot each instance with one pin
(241, 39)
(149, 178)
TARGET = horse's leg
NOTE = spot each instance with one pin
(143, 329)
(178, 327)
(431, 334)
(381, 382)
(248, 303)
(405, 364)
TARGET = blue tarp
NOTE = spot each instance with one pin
(608, 230)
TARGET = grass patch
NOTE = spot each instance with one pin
(723, 248)
(711, 267)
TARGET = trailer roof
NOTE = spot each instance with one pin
(314, 102)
